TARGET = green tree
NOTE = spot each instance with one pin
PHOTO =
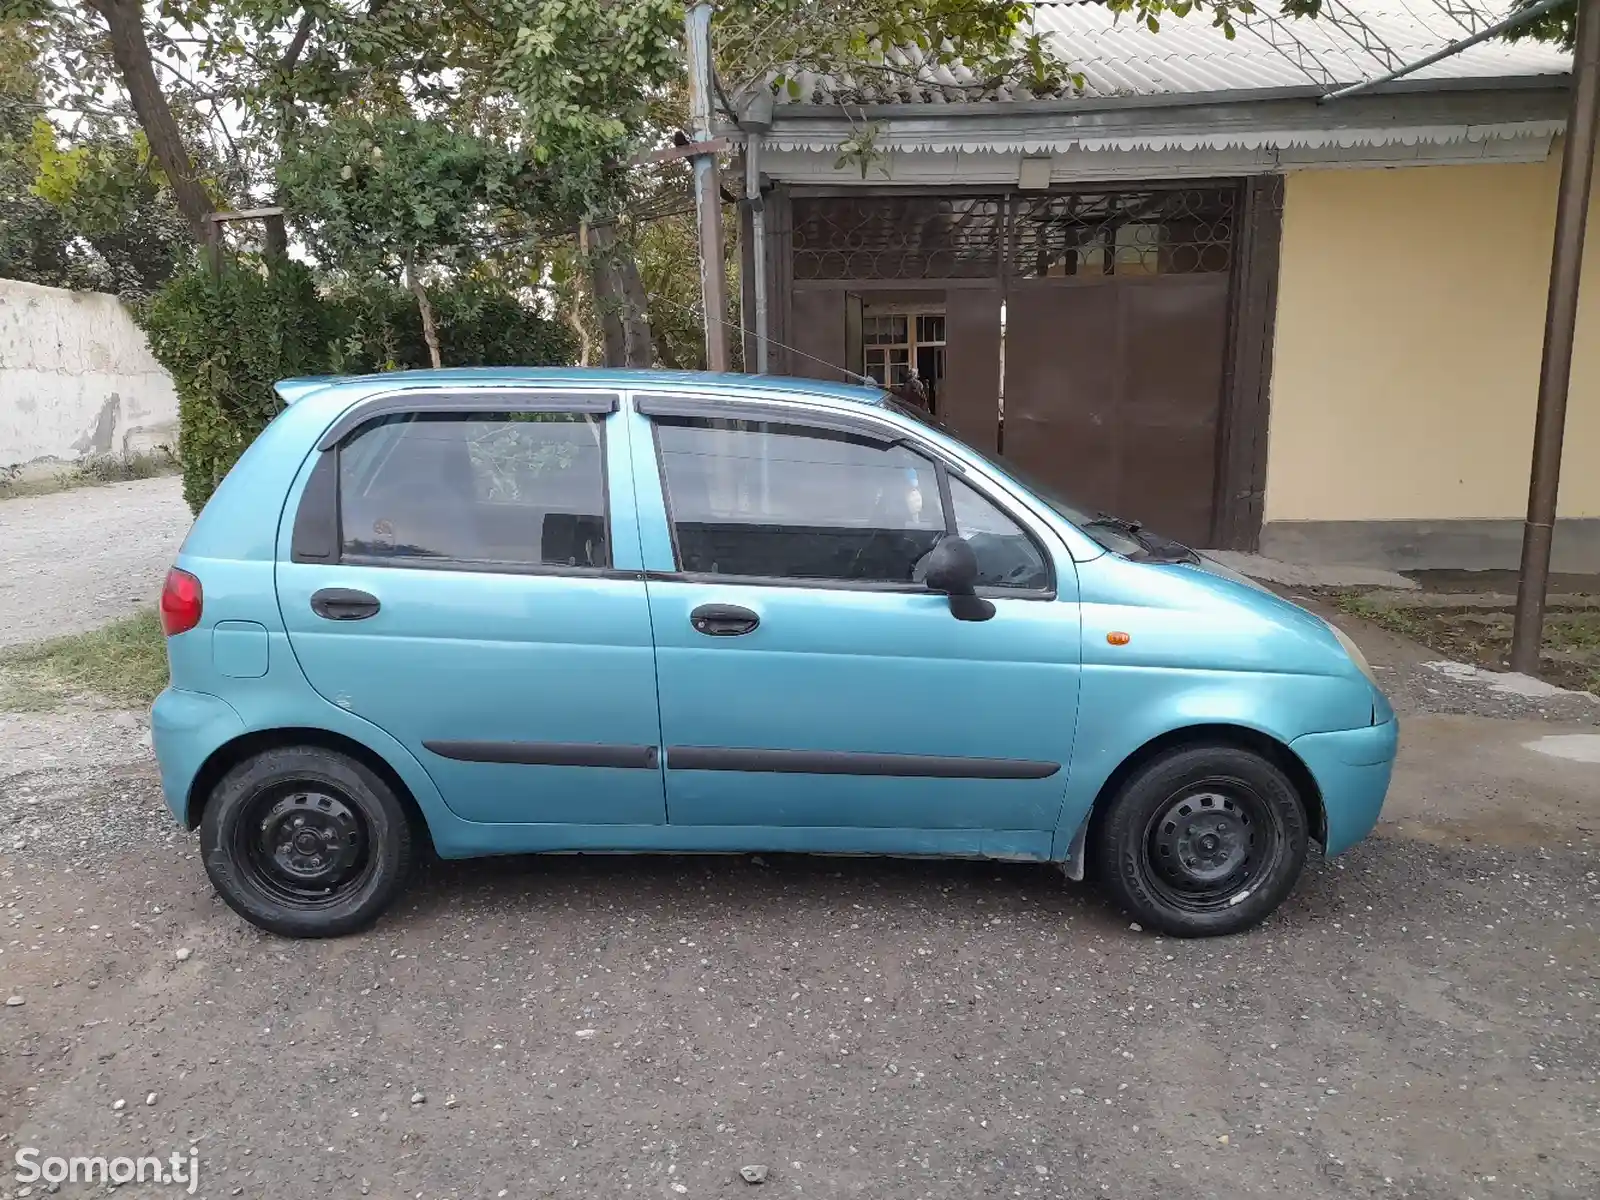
(1559, 25)
(400, 197)
(110, 204)
(35, 239)
(226, 341)
(89, 209)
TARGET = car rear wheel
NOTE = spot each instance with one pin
(306, 842)
(1203, 841)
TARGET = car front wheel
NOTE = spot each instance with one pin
(306, 842)
(1203, 841)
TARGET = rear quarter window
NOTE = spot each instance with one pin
(489, 488)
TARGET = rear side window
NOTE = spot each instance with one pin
(763, 499)
(515, 489)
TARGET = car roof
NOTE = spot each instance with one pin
(347, 389)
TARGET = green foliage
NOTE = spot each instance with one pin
(860, 148)
(390, 196)
(97, 180)
(1559, 25)
(1222, 12)
(36, 240)
(668, 254)
(583, 73)
(90, 213)
(104, 208)
(870, 42)
(372, 193)
(480, 325)
(225, 343)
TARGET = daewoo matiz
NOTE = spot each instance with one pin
(512, 611)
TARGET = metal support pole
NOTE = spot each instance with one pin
(1520, 16)
(1560, 325)
(707, 192)
(758, 235)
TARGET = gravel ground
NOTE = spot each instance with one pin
(1419, 1021)
(74, 560)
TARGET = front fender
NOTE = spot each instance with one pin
(1124, 709)
(1352, 768)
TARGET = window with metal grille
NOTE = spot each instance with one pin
(1104, 233)
(1181, 231)
(897, 237)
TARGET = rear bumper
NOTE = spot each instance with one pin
(185, 729)
(1352, 769)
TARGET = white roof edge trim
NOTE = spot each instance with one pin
(1285, 139)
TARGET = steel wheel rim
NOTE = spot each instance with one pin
(306, 845)
(1209, 845)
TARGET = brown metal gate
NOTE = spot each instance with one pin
(1117, 325)
(1109, 308)
(1114, 391)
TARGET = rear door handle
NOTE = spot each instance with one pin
(723, 620)
(343, 604)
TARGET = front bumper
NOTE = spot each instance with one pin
(186, 728)
(1352, 769)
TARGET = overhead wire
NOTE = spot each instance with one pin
(699, 310)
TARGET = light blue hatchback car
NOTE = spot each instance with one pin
(512, 611)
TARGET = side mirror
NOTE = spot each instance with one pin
(952, 568)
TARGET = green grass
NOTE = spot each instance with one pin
(1570, 652)
(1397, 620)
(124, 662)
(90, 472)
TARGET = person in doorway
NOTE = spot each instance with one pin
(914, 392)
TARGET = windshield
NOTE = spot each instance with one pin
(1115, 534)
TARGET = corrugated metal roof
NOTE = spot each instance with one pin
(1118, 56)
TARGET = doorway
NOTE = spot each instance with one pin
(896, 337)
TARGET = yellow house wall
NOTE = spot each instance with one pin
(1406, 361)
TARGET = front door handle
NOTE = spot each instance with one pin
(723, 620)
(343, 604)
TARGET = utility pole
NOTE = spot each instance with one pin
(707, 190)
(1560, 326)
(758, 235)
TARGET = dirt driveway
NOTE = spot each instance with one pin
(73, 560)
(1420, 1021)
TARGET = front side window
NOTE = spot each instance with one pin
(772, 500)
(769, 500)
(516, 489)
(1113, 534)
(1007, 556)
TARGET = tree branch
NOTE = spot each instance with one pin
(130, 50)
(291, 53)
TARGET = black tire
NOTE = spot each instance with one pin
(1203, 841)
(306, 842)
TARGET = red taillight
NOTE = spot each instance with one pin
(181, 600)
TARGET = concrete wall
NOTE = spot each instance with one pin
(77, 378)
